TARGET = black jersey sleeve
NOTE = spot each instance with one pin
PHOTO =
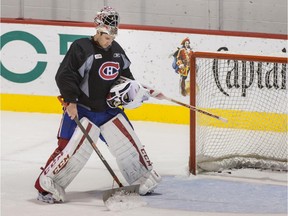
(67, 77)
(126, 72)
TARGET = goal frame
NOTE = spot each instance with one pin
(212, 55)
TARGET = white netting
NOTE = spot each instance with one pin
(253, 97)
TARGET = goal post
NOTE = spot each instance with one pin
(251, 92)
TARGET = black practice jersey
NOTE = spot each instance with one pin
(88, 72)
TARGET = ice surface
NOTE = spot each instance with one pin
(28, 139)
(121, 201)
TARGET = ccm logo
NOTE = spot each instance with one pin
(145, 156)
(59, 165)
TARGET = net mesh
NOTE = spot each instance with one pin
(252, 95)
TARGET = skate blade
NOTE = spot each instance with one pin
(124, 191)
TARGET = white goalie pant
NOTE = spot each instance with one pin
(130, 155)
(64, 168)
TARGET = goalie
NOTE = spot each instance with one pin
(88, 80)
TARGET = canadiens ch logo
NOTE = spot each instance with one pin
(109, 70)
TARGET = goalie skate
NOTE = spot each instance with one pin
(57, 192)
(46, 197)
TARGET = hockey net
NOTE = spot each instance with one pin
(251, 92)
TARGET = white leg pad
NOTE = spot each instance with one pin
(148, 182)
(64, 168)
(130, 154)
(58, 193)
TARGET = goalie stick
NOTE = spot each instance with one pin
(160, 96)
(108, 193)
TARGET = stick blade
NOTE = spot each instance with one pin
(127, 190)
(223, 119)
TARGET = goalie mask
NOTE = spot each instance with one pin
(129, 94)
(107, 20)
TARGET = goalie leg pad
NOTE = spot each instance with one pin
(148, 182)
(63, 169)
(130, 154)
(47, 183)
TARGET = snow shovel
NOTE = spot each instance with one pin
(125, 190)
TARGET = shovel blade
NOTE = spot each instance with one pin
(132, 189)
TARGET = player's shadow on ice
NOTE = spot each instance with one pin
(83, 196)
(77, 197)
(86, 197)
